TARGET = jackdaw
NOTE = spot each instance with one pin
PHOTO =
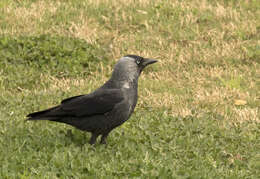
(105, 108)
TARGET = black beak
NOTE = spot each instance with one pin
(148, 61)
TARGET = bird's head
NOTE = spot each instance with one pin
(130, 67)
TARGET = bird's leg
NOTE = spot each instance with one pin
(93, 138)
(103, 138)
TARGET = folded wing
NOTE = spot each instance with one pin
(98, 102)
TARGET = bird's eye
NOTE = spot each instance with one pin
(138, 62)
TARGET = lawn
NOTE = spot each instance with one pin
(198, 109)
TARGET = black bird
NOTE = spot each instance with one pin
(105, 108)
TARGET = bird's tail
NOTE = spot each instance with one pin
(43, 115)
(52, 114)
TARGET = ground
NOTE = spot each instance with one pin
(198, 109)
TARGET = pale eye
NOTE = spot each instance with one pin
(138, 62)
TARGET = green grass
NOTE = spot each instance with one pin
(188, 147)
(187, 123)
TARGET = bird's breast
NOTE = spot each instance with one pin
(131, 99)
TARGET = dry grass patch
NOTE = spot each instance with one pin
(247, 114)
(24, 20)
(88, 29)
(118, 3)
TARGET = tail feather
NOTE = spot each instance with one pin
(55, 114)
(42, 115)
(43, 118)
(52, 114)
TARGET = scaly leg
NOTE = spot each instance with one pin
(93, 138)
(103, 138)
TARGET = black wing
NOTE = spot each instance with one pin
(98, 102)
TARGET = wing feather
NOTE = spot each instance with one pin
(98, 102)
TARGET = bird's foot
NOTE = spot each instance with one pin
(103, 142)
(103, 139)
